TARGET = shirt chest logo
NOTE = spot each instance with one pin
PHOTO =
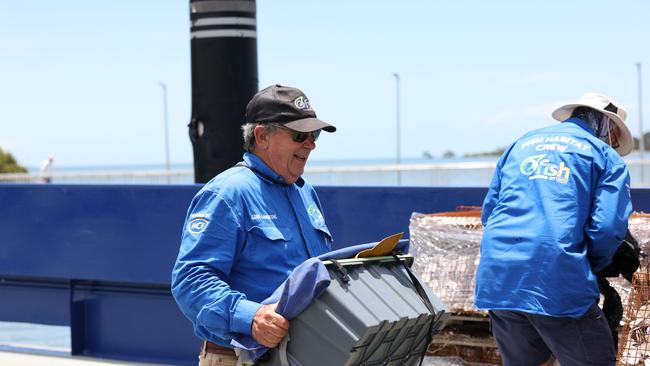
(315, 214)
(197, 225)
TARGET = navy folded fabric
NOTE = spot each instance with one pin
(307, 281)
(350, 252)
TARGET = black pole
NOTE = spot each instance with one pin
(224, 79)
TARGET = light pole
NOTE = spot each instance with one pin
(398, 157)
(167, 163)
(642, 138)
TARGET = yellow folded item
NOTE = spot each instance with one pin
(384, 247)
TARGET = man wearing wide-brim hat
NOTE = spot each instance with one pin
(554, 215)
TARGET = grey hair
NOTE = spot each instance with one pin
(248, 132)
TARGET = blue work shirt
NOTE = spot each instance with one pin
(245, 231)
(555, 213)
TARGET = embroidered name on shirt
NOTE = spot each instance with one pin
(264, 217)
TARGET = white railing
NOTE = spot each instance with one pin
(421, 174)
(456, 174)
(185, 176)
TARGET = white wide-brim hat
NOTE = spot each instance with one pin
(611, 109)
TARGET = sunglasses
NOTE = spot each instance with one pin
(298, 136)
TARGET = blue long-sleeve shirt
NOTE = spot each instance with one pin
(244, 233)
(555, 213)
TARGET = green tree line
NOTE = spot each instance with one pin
(8, 163)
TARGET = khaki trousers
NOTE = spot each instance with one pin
(213, 359)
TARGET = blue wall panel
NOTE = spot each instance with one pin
(128, 324)
(34, 302)
(357, 215)
(132, 233)
(111, 233)
(99, 257)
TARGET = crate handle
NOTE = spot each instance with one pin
(341, 271)
(425, 299)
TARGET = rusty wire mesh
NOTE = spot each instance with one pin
(435, 240)
(634, 344)
(446, 246)
(446, 250)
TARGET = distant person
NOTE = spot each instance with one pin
(250, 226)
(554, 215)
(46, 170)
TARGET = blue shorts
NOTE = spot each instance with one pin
(530, 339)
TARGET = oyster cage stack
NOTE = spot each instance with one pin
(372, 313)
(446, 247)
(634, 344)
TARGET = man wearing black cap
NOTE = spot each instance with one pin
(249, 227)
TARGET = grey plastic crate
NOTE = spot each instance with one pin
(375, 318)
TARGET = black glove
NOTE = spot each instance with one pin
(626, 259)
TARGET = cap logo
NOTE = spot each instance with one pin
(302, 102)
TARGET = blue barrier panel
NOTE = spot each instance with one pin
(357, 215)
(640, 200)
(104, 233)
(34, 301)
(131, 323)
(132, 233)
(98, 258)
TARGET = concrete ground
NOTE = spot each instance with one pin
(10, 358)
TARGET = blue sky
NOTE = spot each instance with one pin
(80, 79)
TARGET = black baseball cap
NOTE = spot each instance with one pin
(286, 105)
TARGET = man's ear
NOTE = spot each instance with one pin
(261, 137)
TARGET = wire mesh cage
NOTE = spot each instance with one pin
(437, 238)
(634, 346)
(446, 247)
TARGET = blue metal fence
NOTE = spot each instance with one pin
(98, 258)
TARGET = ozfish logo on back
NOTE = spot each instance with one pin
(539, 167)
